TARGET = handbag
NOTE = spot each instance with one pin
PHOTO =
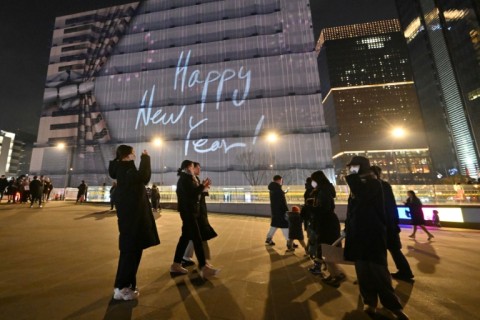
(334, 253)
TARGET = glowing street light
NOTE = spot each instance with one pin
(272, 137)
(157, 141)
(399, 132)
(61, 145)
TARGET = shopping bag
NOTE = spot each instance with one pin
(334, 253)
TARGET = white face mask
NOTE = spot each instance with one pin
(354, 169)
(314, 184)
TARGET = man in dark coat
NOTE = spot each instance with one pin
(366, 238)
(3, 185)
(136, 223)
(394, 245)
(279, 208)
(82, 191)
(36, 191)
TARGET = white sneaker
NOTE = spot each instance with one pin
(207, 272)
(125, 294)
(177, 268)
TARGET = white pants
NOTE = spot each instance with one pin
(272, 231)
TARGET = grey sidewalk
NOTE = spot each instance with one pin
(59, 262)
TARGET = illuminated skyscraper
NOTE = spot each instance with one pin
(370, 101)
(443, 38)
(208, 80)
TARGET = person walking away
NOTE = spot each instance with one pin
(394, 245)
(366, 238)
(47, 189)
(279, 208)
(325, 225)
(189, 191)
(206, 230)
(295, 229)
(82, 192)
(112, 195)
(415, 207)
(155, 198)
(136, 223)
(36, 191)
(3, 186)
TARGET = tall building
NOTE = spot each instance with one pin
(12, 153)
(208, 80)
(370, 102)
(443, 38)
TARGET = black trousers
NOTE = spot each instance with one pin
(375, 282)
(127, 269)
(190, 231)
(34, 197)
(401, 262)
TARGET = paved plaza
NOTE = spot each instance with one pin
(59, 262)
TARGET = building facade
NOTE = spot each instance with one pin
(12, 153)
(443, 38)
(370, 101)
(207, 81)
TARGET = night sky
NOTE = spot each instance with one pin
(26, 33)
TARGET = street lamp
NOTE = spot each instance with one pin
(397, 133)
(272, 138)
(157, 143)
(68, 168)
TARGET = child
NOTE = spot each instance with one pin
(436, 219)
(295, 230)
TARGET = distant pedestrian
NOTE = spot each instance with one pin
(436, 219)
(3, 186)
(155, 198)
(112, 195)
(366, 238)
(136, 223)
(278, 208)
(36, 191)
(415, 208)
(394, 245)
(295, 229)
(82, 192)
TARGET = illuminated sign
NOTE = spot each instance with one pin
(445, 214)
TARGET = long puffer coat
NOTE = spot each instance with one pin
(278, 205)
(135, 220)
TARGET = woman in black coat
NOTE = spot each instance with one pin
(279, 208)
(366, 238)
(325, 223)
(189, 192)
(136, 224)
(415, 207)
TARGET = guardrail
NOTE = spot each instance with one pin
(429, 194)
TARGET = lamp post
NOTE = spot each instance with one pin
(68, 166)
(397, 133)
(272, 138)
(157, 143)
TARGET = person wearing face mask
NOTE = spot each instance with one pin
(189, 192)
(136, 223)
(366, 238)
(325, 225)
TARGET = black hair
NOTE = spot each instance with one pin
(376, 171)
(196, 164)
(277, 177)
(123, 151)
(320, 177)
(185, 164)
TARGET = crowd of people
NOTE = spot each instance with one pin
(371, 229)
(26, 189)
(371, 226)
